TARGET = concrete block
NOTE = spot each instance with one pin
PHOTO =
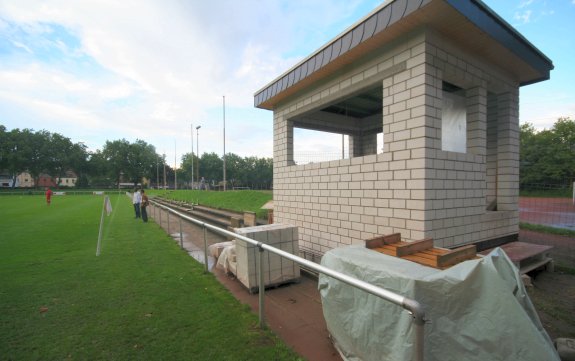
(565, 348)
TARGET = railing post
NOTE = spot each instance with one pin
(181, 236)
(160, 211)
(419, 334)
(169, 234)
(261, 288)
(207, 269)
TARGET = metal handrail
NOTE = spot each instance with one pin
(411, 305)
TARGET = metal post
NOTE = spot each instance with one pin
(175, 170)
(192, 134)
(198, 152)
(169, 234)
(418, 316)
(181, 236)
(206, 250)
(261, 288)
(101, 225)
(160, 211)
(224, 143)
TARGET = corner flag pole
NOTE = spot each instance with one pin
(106, 207)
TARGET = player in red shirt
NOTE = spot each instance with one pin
(48, 195)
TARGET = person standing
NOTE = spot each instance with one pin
(136, 200)
(145, 203)
(48, 195)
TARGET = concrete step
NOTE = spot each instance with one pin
(213, 216)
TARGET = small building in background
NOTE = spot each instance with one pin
(24, 180)
(46, 180)
(69, 180)
(6, 180)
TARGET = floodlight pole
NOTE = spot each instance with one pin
(192, 134)
(164, 163)
(175, 165)
(224, 143)
(198, 151)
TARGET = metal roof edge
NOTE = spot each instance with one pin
(504, 27)
(328, 43)
(477, 12)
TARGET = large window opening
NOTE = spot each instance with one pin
(350, 127)
(453, 119)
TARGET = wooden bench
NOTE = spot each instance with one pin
(527, 256)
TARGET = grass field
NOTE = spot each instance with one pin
(244, 200)
(141, 299)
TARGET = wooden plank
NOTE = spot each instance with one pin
(383, 240)
(457, 255)
(421, 260)
(413, 247)
(421, 252)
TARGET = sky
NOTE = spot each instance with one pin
(98, 70)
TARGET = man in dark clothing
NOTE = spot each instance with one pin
(144, 204)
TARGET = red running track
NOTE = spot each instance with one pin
(554, 212)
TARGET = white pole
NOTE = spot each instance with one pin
(224, 143)
(101, 226)
(198, 151)
(192, 134)
(175, 170)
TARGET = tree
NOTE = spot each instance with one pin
(211, 167)
(143, 160)
(130, 161)
(186, 167)
(116, 155)
(548, 156)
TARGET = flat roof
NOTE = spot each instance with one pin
(470, 23)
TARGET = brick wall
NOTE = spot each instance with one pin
(413, 187)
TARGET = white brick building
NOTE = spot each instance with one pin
(440, 79)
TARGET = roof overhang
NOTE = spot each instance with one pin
(468, 23)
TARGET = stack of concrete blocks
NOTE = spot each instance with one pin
(250, 219)
(277, 270)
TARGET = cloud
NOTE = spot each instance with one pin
(147, 69)
(525, 3)
(523, 17)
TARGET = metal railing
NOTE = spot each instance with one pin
(414, 307)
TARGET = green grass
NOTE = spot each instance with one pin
(546, 229)
(141, 299)
(244, 200)
(547, 193)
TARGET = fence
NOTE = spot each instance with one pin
(66, 191)
(410, 305)
(548, 205)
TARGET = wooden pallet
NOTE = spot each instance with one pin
(421, 252)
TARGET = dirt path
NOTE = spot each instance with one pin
(553, 294)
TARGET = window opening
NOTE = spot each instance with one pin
(351, 127)
(453, 119)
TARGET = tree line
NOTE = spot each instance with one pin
(120, 161)
(547, 157)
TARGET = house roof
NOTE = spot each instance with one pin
(469, 23)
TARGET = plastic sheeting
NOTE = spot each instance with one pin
(227, 256)
(477, 310)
